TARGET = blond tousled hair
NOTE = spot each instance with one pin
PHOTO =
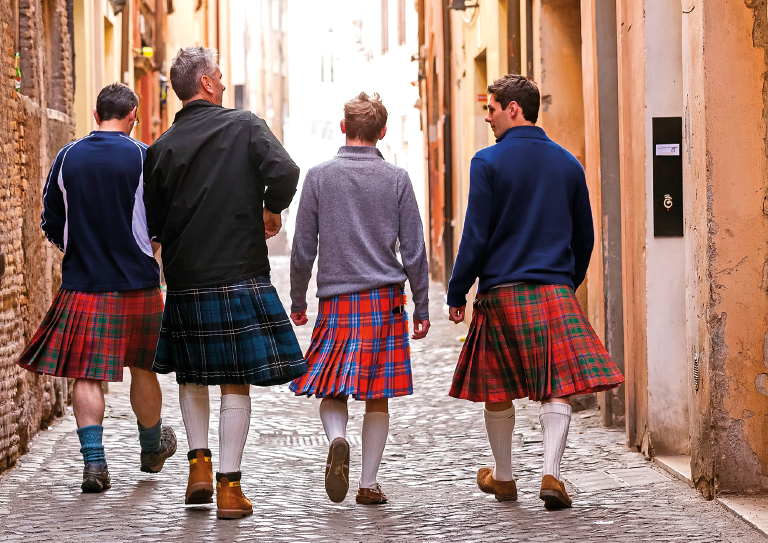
(364, 117)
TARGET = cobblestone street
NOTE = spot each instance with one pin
(435, 448)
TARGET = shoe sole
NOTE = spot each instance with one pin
(336, 484)
(553, 499)
(506, 498)
(199, 493)
(368, 501)
(229, 514)
(93, 486)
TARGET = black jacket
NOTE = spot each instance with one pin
(204, 191)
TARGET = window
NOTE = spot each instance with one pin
(400, 22)
(384, 27)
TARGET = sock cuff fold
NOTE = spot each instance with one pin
(235, 401)
(376, 415)
(191, 389)
(556, 408)
(499, 415)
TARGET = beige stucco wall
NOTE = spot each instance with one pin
(725, 172)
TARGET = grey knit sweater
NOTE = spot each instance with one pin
(360, 206)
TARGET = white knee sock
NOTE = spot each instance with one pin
(195, 410)
(375, 431)
(555, 419)
(499, 426)
(334, 415)
(234, 420)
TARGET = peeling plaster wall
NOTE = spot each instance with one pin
(727, 240)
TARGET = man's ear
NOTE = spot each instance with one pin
(382, 133)
(512, 109)
(96, 116)
(343, 126)
(206, 83)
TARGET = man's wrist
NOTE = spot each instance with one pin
(456, 300)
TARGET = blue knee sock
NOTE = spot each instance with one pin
(90, 443)
(150, 437)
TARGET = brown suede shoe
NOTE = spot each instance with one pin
(230, 501)
(505, 491)
(337, 470)
(553, 493)
(200, 482)
(370, 496)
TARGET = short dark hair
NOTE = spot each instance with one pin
(519, 89)
(364, 117)
(116, 101)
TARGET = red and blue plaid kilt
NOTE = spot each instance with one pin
(359, 347)
(531, 340)
(93, 335)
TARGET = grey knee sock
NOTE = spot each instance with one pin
(555, 419)
(195, 411)
(234, 420)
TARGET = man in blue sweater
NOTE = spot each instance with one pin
(107, 313)
(528, 237)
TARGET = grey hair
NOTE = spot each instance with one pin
(189, 65)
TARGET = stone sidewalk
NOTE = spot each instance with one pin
(435, 448)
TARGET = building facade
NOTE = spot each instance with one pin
(34, 124)
(664, 104)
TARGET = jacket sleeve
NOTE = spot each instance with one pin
(583, 235)
(278, 171)
(474, 240)
(153, 198)
(54, 216)
(413, 250)
(304, 250)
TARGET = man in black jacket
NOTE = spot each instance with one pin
(215, 184)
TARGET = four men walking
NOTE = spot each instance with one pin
(210, 191)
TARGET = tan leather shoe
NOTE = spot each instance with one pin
(230, 501)
(337, 470)
(553, 493)
(505, 491)
(370, 496)
(200, 482)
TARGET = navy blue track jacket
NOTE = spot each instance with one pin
(93, 210)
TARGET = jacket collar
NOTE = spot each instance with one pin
(534, 132)
(192, 106)
(359, 152)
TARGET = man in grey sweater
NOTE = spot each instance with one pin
(360, 207)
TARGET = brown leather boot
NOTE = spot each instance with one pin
(230, 501)
(505, 491)
(200, 483)
(553, 493)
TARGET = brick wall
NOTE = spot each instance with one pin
(33, 127)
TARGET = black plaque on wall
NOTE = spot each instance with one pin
(667, 176)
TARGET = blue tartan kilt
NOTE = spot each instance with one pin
(228, 335)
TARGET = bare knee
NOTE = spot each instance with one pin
(566, 401)
(498, 406)
(379, 405)
(242, 390)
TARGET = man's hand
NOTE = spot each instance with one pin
(420, 328)
(272, 223)
(456, 314)
(300, 317)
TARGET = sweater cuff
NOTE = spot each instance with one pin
(456, 300)
(295, 308)
(421, 312)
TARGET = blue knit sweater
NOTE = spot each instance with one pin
(528, 217)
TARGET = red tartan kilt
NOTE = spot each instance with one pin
(531, 341)
(93, 335)
(359, 347)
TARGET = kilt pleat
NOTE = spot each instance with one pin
(359, 347)
(93, 335)
(531, 341)
(228, 334)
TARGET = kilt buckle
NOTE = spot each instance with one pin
(399, 309)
